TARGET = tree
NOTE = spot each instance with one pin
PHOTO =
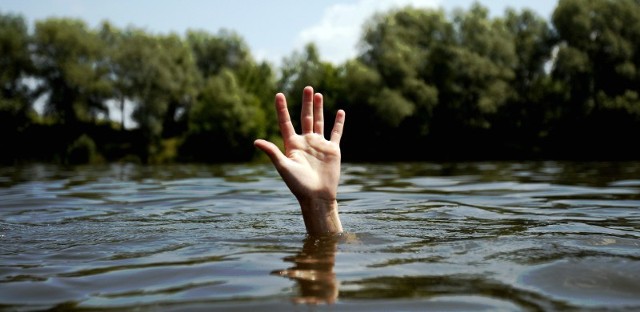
(116, 63)
(306, 68)
(182, 85)
(15, 68)
(521, 123)
(223, 122)
(227, 51)
(143, 79)
(479, 70)
(599, 48)
(67, 57)
(158, 75)
(15, 96)
(399, 46)
(215, 53)
(597, 62)
(439, 82)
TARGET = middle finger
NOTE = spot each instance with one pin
(306, 117)
(318, 116)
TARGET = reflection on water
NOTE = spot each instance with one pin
(440, 236)
(313, 270)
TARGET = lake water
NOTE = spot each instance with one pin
(442, 236)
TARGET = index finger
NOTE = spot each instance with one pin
(284, 120)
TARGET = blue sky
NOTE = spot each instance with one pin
(273, 29)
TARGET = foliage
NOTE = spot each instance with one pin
(15, 61)
(228, 54)
(224, 121)
(16, 113)
(67, 59)
(303, 69)
(425, 85)
(597, 61)
(83, 150)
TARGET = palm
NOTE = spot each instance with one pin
(310, 165)
(313, 166)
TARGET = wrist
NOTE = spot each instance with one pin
(320, 215)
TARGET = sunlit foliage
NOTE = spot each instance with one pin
(425, 85)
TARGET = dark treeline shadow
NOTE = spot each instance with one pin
(425, 85)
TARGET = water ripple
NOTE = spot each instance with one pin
(447, 236)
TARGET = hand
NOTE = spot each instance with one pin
(310, 165)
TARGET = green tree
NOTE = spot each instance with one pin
(158, 75)
(15, 61)
(521, 124)
(142, 78)
(430, 80)
(398, 46)
(182, 86)
(213, 53)
(118, 67)
(15, 96)
(223, 122)
(68, 56)
(599, 54)
(479, 70)
(306, 68)
(227, 51)
(597, 62)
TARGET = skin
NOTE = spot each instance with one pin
(310, 164)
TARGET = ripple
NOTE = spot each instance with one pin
(593, 282)
(462, 236)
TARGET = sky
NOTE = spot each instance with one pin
(273, 29)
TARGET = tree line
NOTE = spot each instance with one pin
(426, 85)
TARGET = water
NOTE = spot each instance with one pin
(457, 236)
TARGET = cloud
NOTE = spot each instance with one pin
(339, 29)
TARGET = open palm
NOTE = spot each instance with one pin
(310, 165)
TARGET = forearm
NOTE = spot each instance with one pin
(320, 216)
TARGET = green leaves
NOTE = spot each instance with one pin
(225, 119)
(67, 58)
(426, 84)
(597, 60)
(15, 67)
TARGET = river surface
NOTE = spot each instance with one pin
(506, 236)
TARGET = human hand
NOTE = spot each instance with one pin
(310, 165)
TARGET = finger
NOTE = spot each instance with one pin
(318, 115)
(336, 133)
(306, 117)
(271, 150)
(284, 120)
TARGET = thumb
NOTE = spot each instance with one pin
(271, 150)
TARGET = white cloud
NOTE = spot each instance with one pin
(340, 27)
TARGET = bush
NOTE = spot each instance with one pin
(82, 151)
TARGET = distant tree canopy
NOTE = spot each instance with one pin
(15, 65)
(426, 85)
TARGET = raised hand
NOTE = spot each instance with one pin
(310, 165)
